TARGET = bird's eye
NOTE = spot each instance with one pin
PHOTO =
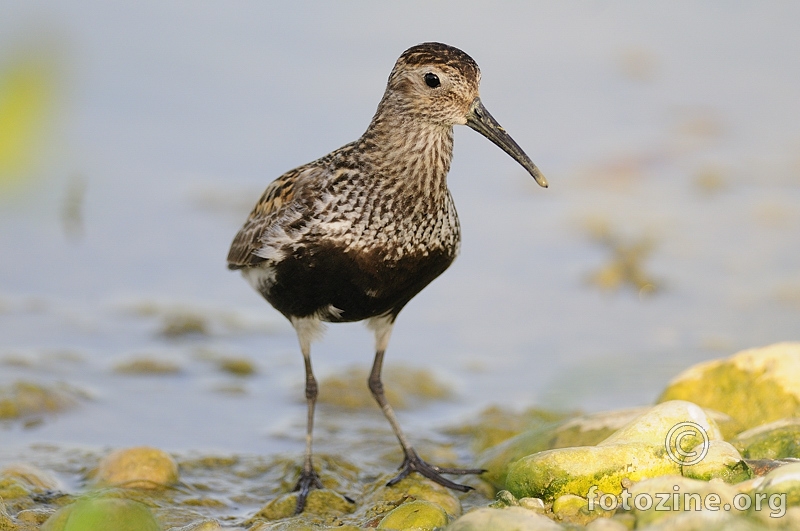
(432, 80)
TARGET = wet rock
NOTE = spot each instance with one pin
(237, 366)
(634, 452)
(6, 522)
(722, 461)
(782, 486)
(533, 504)
(417, 515)
(653, 426)
(32, 476)
(554, 473)
(754, 386)
(776, 440)
(203, 525)
(34, 517)
(183, 324)
(141, 467)
(668, 496)
(575, 510)
(147, 365)
(103, 514)
(27, 399)
(585, 430)
(420, 488)
(511, 518)
(319, 503)
(12, 488)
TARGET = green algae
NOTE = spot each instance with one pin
(754, 386)
(776, 440)
(417, 515)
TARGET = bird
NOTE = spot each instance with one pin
(356, 234)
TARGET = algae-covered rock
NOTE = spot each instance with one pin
(585, 430)
(509, 519)
(655, 425)
(554, 473)
(202, 525)
(319, 502)
(636, 451)
(6, 522)
(25, 399)
(141, 467)
(414, 487)
(781, 486)
(722, 461)
(667, 496)
(103, 514)
(417, 515)
(147, 364)
(34, 477)
(753, 386)
(573, 509)
(776, 440)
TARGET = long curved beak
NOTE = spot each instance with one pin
(479, 119)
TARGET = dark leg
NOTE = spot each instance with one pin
(309, 479)
(412, 461)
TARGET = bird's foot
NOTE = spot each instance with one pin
(309, 479)
(414, 463)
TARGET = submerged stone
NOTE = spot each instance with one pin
(508, 519)
(34, 477)
(103, 514)
(753, 386)
(141, 467)
(202, 525)
(147, 365)
(417, 515)
(27, 399)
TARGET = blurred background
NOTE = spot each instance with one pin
(134, 139)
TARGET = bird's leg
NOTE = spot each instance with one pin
(412, 462)
(309, 479)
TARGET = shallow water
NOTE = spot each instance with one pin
(676, 128)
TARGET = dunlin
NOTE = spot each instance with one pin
(356, 234)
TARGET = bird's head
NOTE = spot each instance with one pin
(438, 84)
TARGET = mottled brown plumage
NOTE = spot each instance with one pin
(357, 233)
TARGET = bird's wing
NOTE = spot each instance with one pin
(271, 208)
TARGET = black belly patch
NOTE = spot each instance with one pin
(360, 285)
